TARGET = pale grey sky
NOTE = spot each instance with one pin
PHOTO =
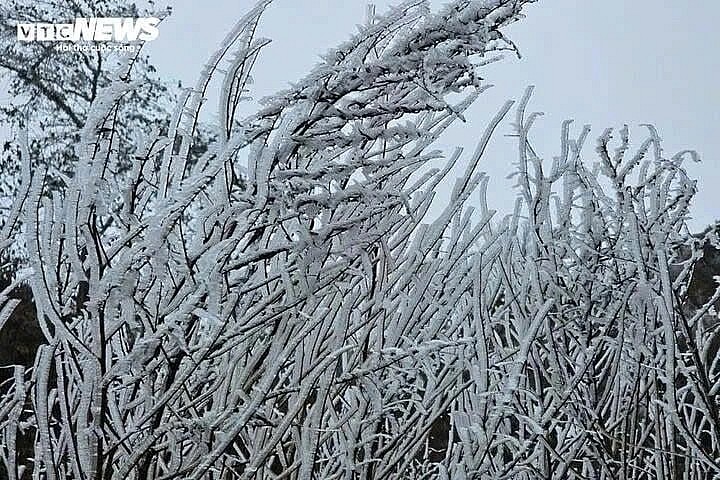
(601, 62)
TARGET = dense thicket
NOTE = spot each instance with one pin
(284, 307)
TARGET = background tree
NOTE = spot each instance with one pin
(52, 90)
(50, 93)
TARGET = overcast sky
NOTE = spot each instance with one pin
(600, 62)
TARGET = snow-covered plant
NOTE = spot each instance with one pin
(50, 91)
(285, 307)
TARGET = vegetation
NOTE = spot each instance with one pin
(283, 307)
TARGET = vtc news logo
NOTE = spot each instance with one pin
(91, 29)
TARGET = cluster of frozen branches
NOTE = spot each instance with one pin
(282, 308)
